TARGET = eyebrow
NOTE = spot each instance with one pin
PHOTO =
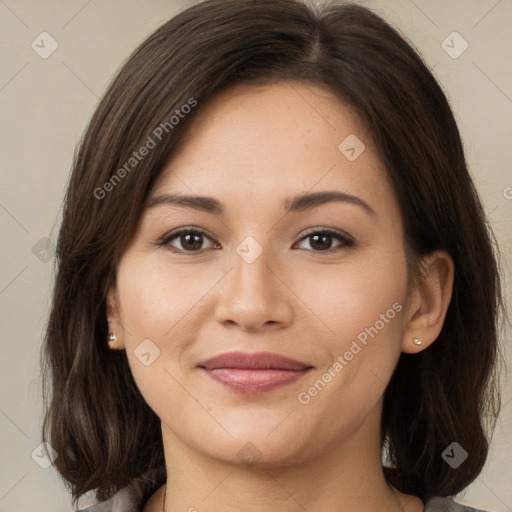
(298, 203)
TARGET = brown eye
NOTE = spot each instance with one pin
(188, 240)
(321, 240)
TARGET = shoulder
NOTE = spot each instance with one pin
(123, 501)
(129, 499)
(438, 504)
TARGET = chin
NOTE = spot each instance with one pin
(251, 448)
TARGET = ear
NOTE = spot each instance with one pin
(429, 301)
(114, 319)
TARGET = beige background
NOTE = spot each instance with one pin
(45, 104)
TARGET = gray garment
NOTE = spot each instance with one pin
(124, 501)
(436, 504)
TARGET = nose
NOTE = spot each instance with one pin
(254, 296)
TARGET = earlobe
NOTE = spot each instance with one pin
(429, 302)
(114, 337)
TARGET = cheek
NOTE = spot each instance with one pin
(151, 306)
(359, 294)
(160, 302)
(156, 296)
(363, 305)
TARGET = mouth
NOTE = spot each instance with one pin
(254, 373)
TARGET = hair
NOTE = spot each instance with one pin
(105, 434)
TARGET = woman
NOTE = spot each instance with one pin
(270, 263)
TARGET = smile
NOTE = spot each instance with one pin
(254, 373)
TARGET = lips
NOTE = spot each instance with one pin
(257, 361)
(253, 373)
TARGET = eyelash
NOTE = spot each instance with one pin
(166, 239)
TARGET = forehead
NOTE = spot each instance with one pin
(253, 142)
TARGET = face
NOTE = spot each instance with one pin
(255, 270)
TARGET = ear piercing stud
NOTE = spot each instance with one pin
(113, 342)
(416, 341)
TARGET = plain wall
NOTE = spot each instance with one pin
(45, 105)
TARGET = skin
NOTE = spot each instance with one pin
(251, 148)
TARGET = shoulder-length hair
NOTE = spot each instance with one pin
(105, 434)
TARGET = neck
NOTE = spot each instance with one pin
(347, 476)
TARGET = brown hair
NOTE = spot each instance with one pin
(105, 434)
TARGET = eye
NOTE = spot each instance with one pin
(190, 239)
(321, 240)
